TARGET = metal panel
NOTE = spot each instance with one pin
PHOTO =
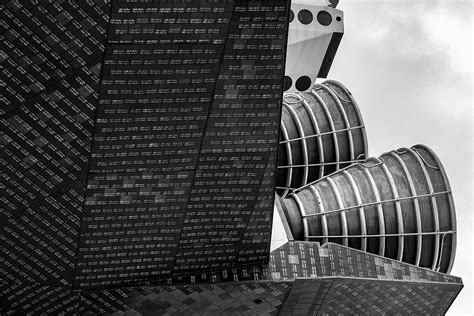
(315, 32)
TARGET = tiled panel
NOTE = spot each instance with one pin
(42, 42)
(309, 259)
(156, 89)
(37, 300)
(46, 142)
(257, 272)
(296, 259)
(229, 214)
(50, 61)
(39, 245)
(227, 291)
(340, 296)
(253, 298)
(306, 297)
(186, 134)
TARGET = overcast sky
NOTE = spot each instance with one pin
(409, 66)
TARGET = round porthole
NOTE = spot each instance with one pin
(292, 16)
(324, 18)
(287, 83)
(303, 83)
(305, 16)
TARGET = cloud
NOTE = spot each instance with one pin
(409, 67)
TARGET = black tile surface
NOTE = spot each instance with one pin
(181, 173)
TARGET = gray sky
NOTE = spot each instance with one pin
(409, 66)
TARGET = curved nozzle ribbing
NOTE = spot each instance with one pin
(321, 132)
(398, 205)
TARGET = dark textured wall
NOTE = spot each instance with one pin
(181, 175)
(50, 57)
(301, 277)
(173, 131)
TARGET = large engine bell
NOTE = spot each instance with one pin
(398, 205)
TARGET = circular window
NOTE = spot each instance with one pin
(292, 16)
(338, 19)
(324, 18)
(303, 83)
(287, 83)
(305, 16)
